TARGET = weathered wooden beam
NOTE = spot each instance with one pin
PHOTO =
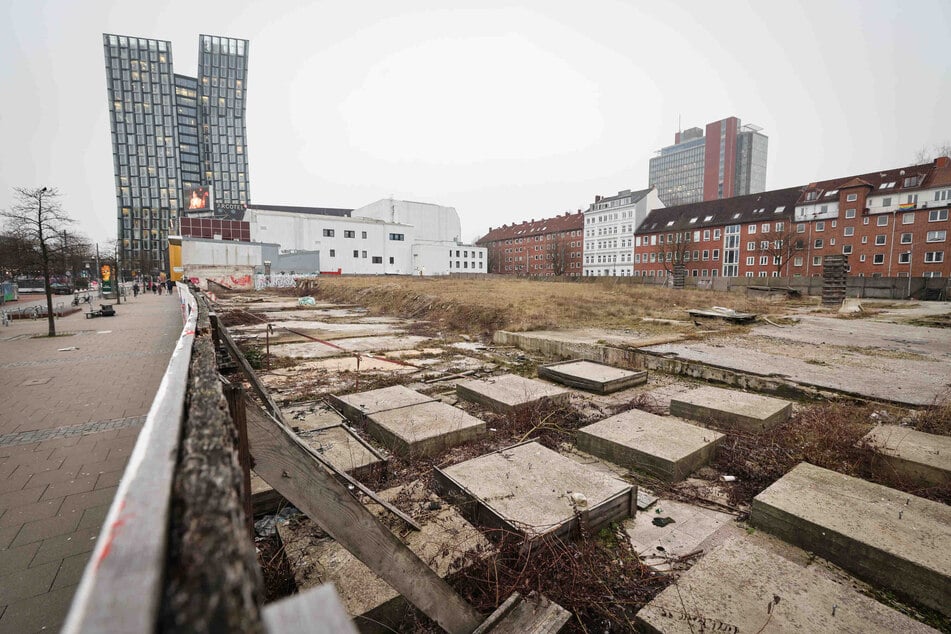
(285, 463)
(277, 415)
(235, 396)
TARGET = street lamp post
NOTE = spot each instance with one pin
(911, 259)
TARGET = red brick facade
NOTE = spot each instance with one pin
(552, 246)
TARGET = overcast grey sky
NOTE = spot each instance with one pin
(505, 110)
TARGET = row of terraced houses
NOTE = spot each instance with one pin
(891, 223)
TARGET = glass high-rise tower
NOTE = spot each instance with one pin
(178, 142)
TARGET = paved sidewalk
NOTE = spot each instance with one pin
(68, 421)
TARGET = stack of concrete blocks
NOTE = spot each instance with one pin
(511, 394)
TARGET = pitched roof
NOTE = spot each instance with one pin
(778, 204)
(885, 181)
(558, 224)
(635, 196)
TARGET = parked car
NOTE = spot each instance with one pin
(59, 288)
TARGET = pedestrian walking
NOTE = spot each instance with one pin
(135, 289)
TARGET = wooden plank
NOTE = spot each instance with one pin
(534, 615)
(286, 463)
(317, 610)
(122, 585)
(235, 396)
(278, 416)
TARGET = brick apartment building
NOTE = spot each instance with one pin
(891, 223)
(551, 246)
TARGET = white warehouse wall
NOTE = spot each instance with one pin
(433, 222)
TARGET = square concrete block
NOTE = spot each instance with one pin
(742, 410)
(510, 393)
(913, 454)
(734, 589)
(356, 407)
(592, 376)
(887, 537)
(425, 429)
(664, 447)
(534, 491)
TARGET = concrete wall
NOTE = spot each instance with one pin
(432, 222)
(219, 253)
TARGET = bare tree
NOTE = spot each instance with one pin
(676, 254)
(926, 154)
(781, 248)
(558, 254)
(36, 216)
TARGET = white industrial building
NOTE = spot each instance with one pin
(395, 237)
(609, 226)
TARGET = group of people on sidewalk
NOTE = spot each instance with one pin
(157, 288)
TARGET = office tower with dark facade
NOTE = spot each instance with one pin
(173, 135)
(727, 159)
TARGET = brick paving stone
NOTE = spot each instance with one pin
(21, 497)
(62, 546)
(43, 613)
(17, 558)
(38, 530)
(20, 515)
(71, 434)
(28, 582)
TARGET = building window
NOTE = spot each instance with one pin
(363, 234)
(716, 234)
(908, 219)
(391, 259)
(862, 258)
(936, 236)
(816, 260)
(882, 221)
(716, 254)
(763, 260)
(851, 198)
(850, 213)
(779, 226)
(751, 229)
(878, 258)
(356, 253)
(396, 236)
(750, 261)
(848, 231)
(349, 234)
(377, 259)
(864, 239)
(880, 239)
(801, 228)
(328, 233)
(846, 249)
(751, 246)
(820, 226)
(904, 258)
(333, 253)
(936, 215)
(906, 238)
(818, 243)
(932, 257)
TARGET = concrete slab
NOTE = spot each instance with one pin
(887, 537)
(591, 376)
(742, 410)
(304, 417)
(664, 447)
(660, 546)
(340, 446)
(510, 393)
(905, 381)
(425, 429)
(534, 491)
(356, 407)
(913, 454)
(744, 587)
(443, 543)
(594, 344)
(315, 350)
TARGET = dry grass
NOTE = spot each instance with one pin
(481, 306)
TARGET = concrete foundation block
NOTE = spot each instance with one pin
(744, 587)
(913, 454)
(510, 393)
(741, 410)
(886, 537)
(664, 447)
(424, 429)
(591, 376)
(534, 491)
(356, 407)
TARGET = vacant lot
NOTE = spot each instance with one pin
(481, 306)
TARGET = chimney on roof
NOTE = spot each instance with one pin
(942, 161)
(597, 199)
